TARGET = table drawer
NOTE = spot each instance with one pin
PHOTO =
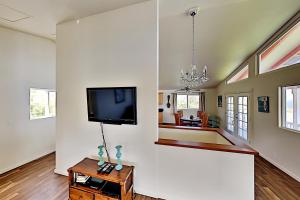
(80, 195)
(102, 197)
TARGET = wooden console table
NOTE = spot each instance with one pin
(122, 182)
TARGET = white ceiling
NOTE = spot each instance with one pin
(40, 17)
(227, 31)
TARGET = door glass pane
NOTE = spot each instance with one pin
(243, 117)
(230, 114)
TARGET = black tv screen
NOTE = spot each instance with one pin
(112, 105)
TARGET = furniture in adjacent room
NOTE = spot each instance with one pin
(200, 114)
(190, 122)
(178, 115)
(204, 118)
(213, 121)
(180, 112)
(177, 119)
(160, 115)
(117, 185)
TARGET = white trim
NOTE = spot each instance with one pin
(61, 172)
(280, 167)
(235, 72)
(280, 114)
(289, 129)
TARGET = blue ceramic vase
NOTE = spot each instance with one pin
(118, 155)
(100, 153)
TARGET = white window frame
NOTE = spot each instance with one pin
(277, 36)
(282, 112)
(47, 111)
(238, 70)
(187, 101)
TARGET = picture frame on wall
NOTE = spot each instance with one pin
(263, 104)
(220, 101)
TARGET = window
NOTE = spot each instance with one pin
(242, 74)
(283, 52)
(289, 116)
(42, 103)
(187, 101)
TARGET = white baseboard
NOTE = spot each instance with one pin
(60, 172)
(280, 167)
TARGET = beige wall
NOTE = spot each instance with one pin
(25, 61)
(210, 103)
(279, 146)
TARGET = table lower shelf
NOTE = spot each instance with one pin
(85, 193)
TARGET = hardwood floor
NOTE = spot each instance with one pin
(36, 181)
(271, 183)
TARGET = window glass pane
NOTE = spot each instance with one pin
(283, 52)
(245, 101)
(240, 100)
(38, 103)
(181, 101)
(193, 101)
(289, 104)
(42, 103)
(52, 104)
(240, 75)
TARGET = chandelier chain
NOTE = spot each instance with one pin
(193, 59)
(193, 78)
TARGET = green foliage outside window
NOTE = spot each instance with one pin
(42, 103)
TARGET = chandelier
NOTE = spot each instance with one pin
(193, 78)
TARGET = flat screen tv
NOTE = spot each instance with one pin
(112, 105)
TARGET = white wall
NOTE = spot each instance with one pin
(168, 116)
(279, 146)
(192, 174)
(116, 48)
(26, 61)
(119, 48)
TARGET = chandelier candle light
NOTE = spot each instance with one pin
(193, 78)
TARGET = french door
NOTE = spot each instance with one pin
(237, 115)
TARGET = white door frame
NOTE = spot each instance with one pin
(228, 114)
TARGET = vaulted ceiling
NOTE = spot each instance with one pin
(40, 17)
(227, 32)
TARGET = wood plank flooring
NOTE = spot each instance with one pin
(36, 181)
(272, 183)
